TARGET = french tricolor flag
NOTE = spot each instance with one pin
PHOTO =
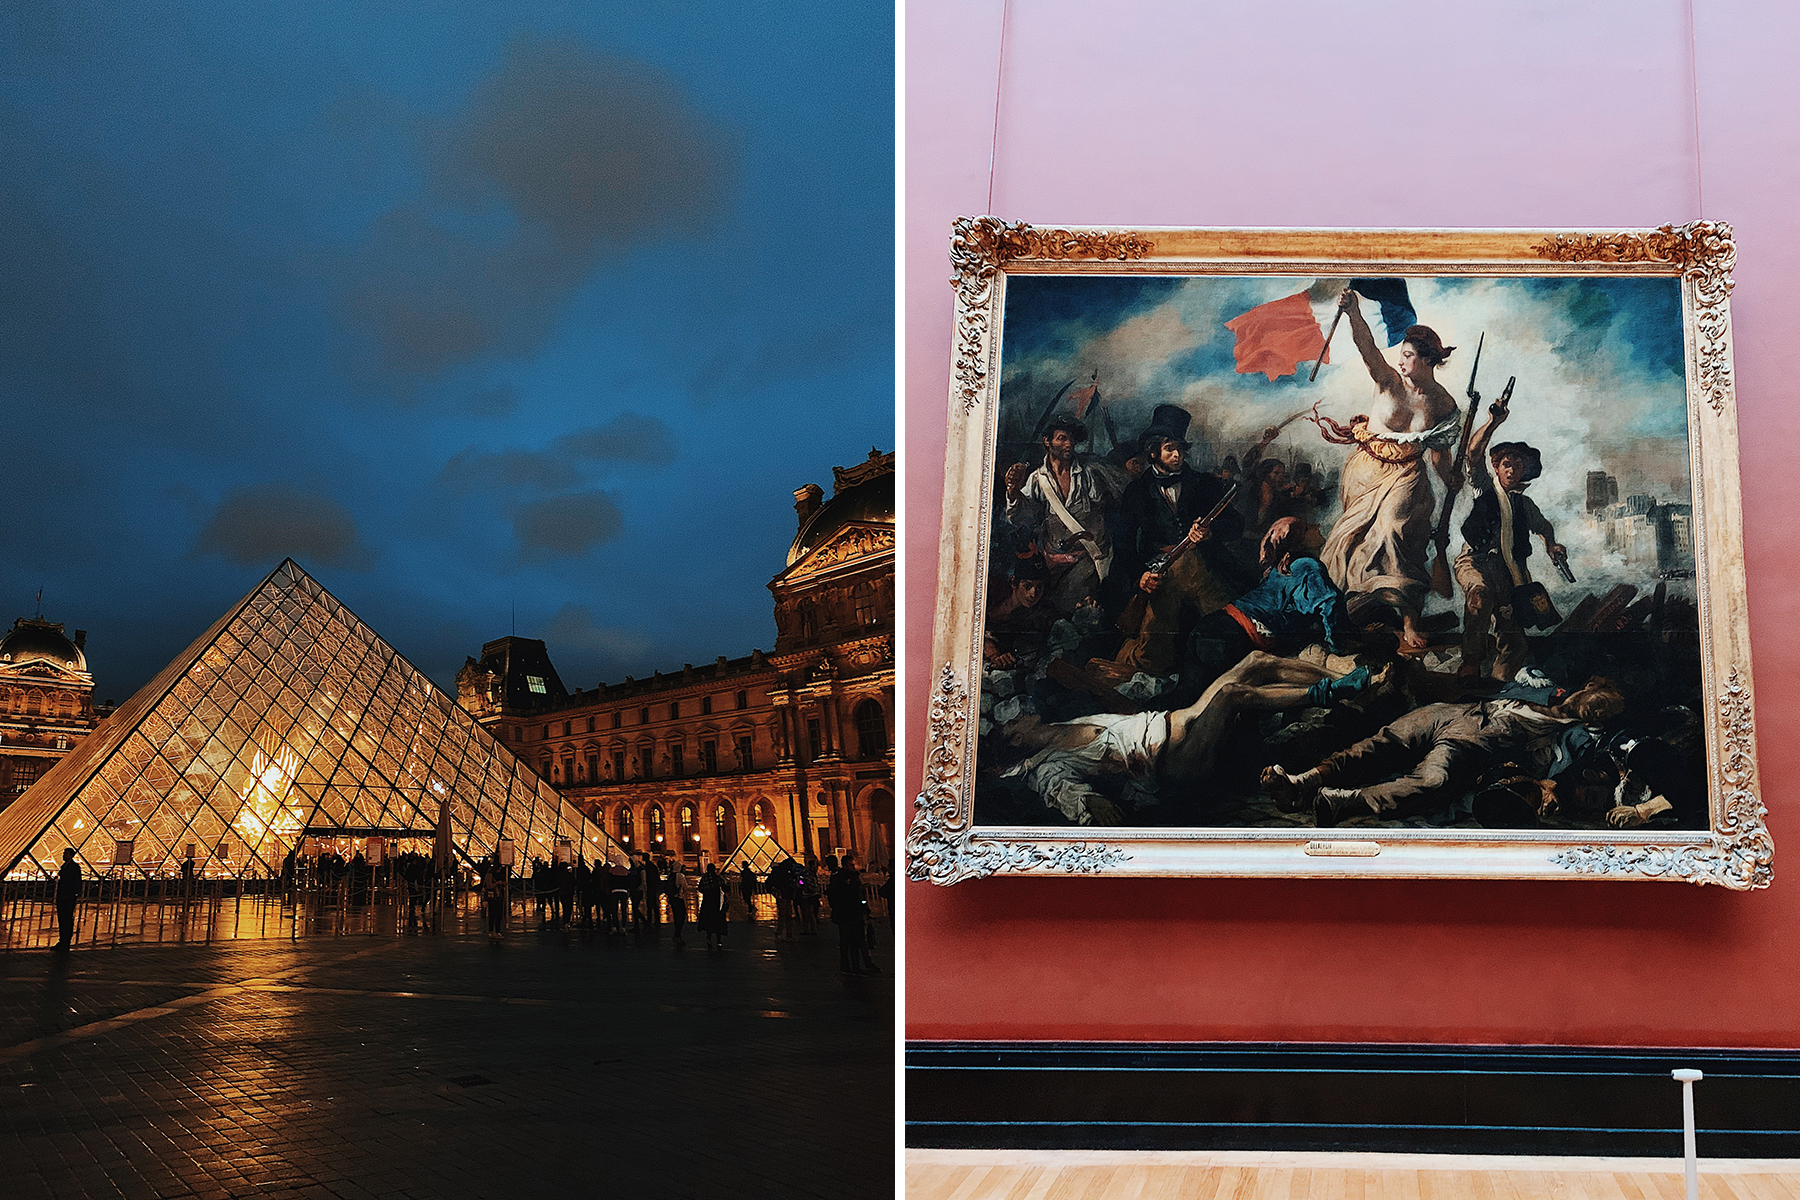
(1273, 339)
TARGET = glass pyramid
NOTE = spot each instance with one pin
(288, 718)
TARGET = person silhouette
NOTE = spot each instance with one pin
(68, 894)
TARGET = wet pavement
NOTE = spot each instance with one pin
(384, 1066)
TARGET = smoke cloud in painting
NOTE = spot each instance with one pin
(1599, 367)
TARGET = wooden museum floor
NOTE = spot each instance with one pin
(1253, 1175)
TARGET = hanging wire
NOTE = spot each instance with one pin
(999, 74)
(1694, 78)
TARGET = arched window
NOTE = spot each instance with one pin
(725, 822)
(759, 817)
(656, 827)
(622, 823)
(871, 729)
(690, 839)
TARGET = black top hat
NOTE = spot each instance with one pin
(1167, 421)
(1534, 462)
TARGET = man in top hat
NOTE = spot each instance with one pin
(1167, 502)
(1492, 566)
(1064, 503)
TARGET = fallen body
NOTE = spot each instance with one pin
(1178, 747)
(1433, 754)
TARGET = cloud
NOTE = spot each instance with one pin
(567, 526)
(490, 402)
(264, 523)
(475, 470)
(587, 650)
(563, 155)
(627, 438)
(793, 353)
(573, 628)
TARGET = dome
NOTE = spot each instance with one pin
(864, 495)
(33, 640)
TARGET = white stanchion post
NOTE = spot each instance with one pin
(1688, 1077)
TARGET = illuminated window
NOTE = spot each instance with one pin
(690, 840)
(656, 824)
(725, 824)
(622, 822)
(25, 773)
(536, 684)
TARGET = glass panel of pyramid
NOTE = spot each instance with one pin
(288, 718)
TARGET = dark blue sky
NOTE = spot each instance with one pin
(463, 306)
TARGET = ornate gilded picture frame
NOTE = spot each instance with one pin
(1341, 553)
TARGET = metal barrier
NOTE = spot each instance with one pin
(139, 909)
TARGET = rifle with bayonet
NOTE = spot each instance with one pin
(1132, 619)
(1440, 570)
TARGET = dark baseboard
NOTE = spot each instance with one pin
(1278, 1096)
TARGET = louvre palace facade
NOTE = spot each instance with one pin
(46, 701)
(789, 750)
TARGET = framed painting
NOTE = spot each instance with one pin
(1387, 553)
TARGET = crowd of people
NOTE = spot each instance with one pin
(634, 898)
(1173, 644)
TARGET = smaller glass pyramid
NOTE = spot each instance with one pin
(289, 718)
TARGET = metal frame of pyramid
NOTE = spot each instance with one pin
(288, 718)
(760, 852)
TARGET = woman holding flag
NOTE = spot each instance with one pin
(1379, 548)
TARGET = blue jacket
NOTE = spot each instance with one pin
(1288, 604)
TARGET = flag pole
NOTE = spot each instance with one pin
(1327, 346)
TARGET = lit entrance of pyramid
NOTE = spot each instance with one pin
(288, 719)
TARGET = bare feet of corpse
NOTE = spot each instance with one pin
(1291, 793)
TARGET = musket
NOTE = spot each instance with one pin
(1440, 570)
(1037, 432)
(1132, 618)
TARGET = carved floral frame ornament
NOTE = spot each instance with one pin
(945, 846)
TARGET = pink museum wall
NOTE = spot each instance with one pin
(1319, 113)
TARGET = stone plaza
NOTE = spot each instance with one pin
(354, 1067)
